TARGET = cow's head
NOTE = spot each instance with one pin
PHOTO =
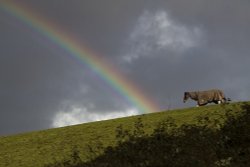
(186, 96)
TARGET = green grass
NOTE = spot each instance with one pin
(36, 149)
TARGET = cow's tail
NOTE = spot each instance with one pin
(227, 100)
(224, 99)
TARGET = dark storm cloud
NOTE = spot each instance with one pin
(33, 81)
(101, 24)
(221, 61)
(166, 47)
(39, 79)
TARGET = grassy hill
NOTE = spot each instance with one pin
(36, 149)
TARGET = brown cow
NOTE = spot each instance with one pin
(204, 97)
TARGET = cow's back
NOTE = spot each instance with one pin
(210, 96)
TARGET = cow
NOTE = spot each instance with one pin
(204, 97)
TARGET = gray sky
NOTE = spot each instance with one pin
(165, 47)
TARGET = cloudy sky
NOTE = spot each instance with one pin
(165, 47)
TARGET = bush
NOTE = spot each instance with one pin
(172, 146)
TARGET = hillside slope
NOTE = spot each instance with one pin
(43, 147)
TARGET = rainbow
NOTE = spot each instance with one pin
(105, 71)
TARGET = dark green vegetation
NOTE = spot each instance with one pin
(217, 135)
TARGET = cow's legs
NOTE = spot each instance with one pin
(198, 104)
(217, 101)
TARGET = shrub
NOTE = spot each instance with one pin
(173, 146)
